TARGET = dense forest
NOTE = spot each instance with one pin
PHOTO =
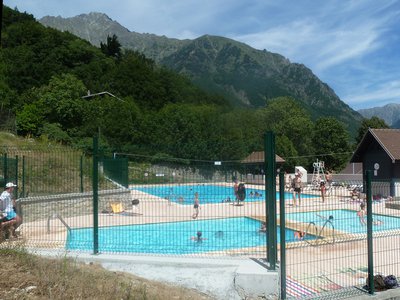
(52, 84)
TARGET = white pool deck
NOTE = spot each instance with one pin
(233, 275)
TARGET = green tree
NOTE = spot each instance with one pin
(196, 132)
(126, 130)
(58, 102)
(112, 47)
(285, 117)
(63, 97)
(286, 149)
(332, 141)
(54, 132)
(29, 119)
(373, 122)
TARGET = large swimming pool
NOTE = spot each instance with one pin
(175, 237)
(183, 194)
(346, 220)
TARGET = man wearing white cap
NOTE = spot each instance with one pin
(9, 217)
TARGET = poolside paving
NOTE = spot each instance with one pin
(325, 265)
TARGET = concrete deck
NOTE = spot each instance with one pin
(324, 266)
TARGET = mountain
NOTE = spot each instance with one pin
(95, 27)
(390, 113)
(246, 76)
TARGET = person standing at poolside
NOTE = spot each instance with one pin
(288, 182)
(235, 189)
(323, 190)
(297, 185)
(10, 219)
(329, 179)
(196, 205)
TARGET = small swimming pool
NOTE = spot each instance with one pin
(175, 237)
(345, 220)
(184, 194)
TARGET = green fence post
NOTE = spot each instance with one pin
(23, 176)
(95, 196)
(369, 234)
(81, 173)
(16, 176)
(282, 228)
(5, 169)
(270, 191)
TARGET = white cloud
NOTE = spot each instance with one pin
(389, 91)
(316, 44)
(343, 42)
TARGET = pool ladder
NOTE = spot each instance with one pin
(61, 220)
(319, 234)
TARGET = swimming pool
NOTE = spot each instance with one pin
(345, 220)
(174, 237)
(207, 193)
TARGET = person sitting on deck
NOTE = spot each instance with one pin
(9, 220)
(355, 194)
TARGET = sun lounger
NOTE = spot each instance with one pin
(118, 208)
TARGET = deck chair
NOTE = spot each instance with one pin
(118, 208)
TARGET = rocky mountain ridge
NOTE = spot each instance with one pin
(246, 76)
(390, 113)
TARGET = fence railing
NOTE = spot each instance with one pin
(192, 209)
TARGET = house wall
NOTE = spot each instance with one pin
(376, 155)
(385, 179)
(396, 171)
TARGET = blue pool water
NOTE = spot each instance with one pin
(345, 220)
(207, 193)
(174, 237)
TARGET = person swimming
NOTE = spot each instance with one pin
(299, 235)
(219, 234)
(361, 214)
(228, 199)
(263, 227)
(198, 237)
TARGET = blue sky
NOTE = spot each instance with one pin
(352, 45)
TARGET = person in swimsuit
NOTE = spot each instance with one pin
(198, 238)
(196, 206)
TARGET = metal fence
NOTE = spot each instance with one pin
(195, 208)
(339, 238)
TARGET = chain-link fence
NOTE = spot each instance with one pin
(210, 209)
(328, 255)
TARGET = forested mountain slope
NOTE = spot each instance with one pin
(245, 76)
(52, 86)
